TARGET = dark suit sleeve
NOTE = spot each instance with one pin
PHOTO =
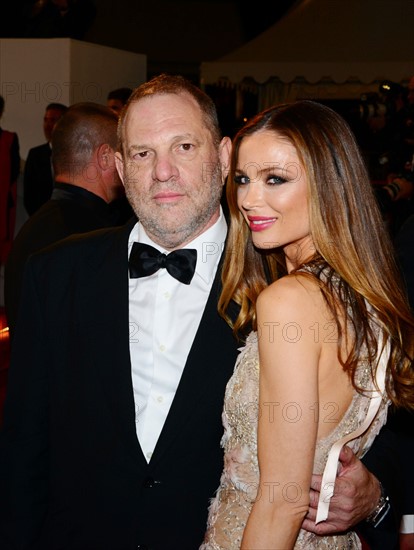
(24, 438)
(390, 457)
(385, 461)
(402, 423)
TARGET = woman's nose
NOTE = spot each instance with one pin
(251, 196)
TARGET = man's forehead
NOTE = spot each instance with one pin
(168, 114)
(158, 104)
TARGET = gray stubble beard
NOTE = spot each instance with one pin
(174, 237)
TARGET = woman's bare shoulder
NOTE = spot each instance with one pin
(294, 292)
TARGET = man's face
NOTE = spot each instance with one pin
(171, 169)
(49, 121)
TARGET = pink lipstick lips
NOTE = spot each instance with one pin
(260, 223)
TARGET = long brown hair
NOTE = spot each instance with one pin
(352, 244)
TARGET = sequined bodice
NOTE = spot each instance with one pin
(231, 506)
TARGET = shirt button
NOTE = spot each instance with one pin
(167, 295)
(162, 348)
(160, 399)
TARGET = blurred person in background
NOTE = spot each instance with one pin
(9, 171)
(38, 171)
(85, 194)
(116, 99)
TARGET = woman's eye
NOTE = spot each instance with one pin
(276, 180)
(241, 179)
(186, 146)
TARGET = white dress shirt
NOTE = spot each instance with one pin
(164, 316)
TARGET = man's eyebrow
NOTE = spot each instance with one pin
(138, 147)
(186, 136)
(174, 139)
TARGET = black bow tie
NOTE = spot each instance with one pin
(145, 260)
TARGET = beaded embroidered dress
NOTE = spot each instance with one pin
(231, 506)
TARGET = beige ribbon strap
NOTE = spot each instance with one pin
(330, 471)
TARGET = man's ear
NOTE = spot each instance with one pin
(224, 155)
(105, 156)
(119, 163)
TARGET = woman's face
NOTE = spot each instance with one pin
(272, 195)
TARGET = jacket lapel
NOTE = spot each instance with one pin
(109, 334)
(209, 365)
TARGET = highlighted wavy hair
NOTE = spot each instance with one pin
(352, 245)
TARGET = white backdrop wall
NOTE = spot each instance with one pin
(35, 72)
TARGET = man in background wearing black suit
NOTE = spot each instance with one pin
(112, 425)
(86, 186)
(38, 174)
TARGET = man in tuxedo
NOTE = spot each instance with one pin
(112, 425)
(86, 193)
(38, 175)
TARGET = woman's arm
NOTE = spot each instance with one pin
(288, 420)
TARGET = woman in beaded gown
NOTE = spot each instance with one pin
(332, 339)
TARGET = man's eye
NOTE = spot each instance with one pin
(141, 154)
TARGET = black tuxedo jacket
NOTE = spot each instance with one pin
(73, 475)
(37, 178)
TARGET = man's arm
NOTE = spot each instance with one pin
(358, 492)
(25, 432)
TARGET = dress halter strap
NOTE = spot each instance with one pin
(330, 471)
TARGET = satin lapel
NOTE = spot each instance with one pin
(209, 365)
(109, 333)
